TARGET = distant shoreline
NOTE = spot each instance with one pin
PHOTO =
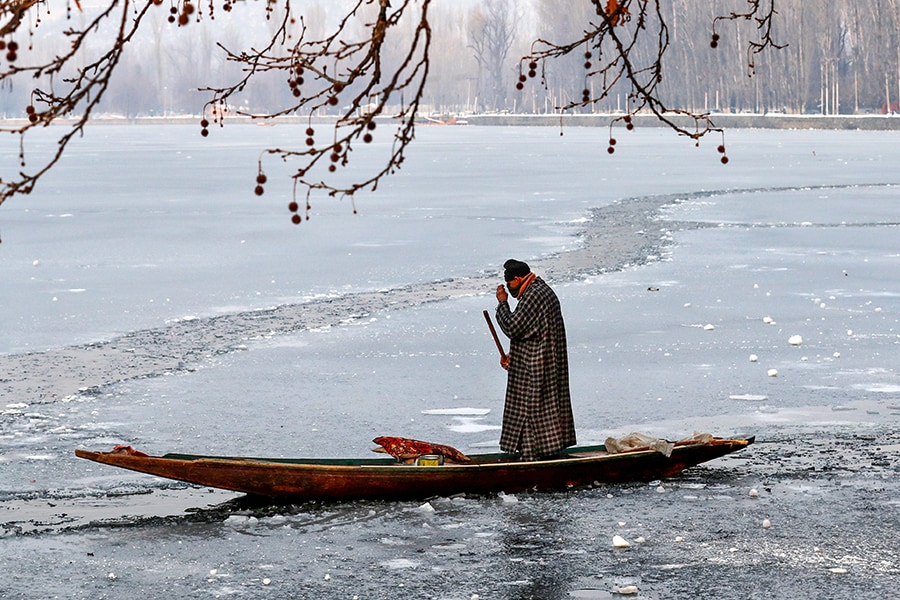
(723, 120)
(867, 122)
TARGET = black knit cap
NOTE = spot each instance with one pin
(515, 268)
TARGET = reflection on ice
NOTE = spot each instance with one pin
(401, 563)
(465, 411)
(880, 388)
(465, 419)
(471, 426)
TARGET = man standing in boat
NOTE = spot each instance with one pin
(537, 415)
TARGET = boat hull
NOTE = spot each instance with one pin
(358, 479)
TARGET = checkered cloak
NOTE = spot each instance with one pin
(537, 416)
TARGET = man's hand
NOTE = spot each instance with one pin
(504, 361)
(502, 296)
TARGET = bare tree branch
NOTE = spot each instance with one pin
(763, 13)
(338, 70)
(614, 41)
(82, 91)
(354, 73)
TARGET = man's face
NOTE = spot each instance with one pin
(513, 285)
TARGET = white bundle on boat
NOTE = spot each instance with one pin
(641, 441)
(638, 441)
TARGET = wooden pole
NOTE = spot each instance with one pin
(487, 318)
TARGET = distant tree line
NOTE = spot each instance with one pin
(841, 57)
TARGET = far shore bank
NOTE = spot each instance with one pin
(772, 120)
(723, 120)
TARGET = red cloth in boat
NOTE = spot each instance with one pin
(406, 448)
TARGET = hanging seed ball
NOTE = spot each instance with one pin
(310, 141)
(721, 149)
(2, 44)
(183, 19)
(258, 190)
(296, 93)
(332, 168)
(724, 160)
(310, 131)
(610, 150)
(295, 219)
(173, 10)
(587, 54)
(333, 101)
(293, 206)
(188, 8)
(204, 132)
(171, 19)
(370, 125)
(261, 178)
(33, 118)
(29, 109)
(337, 148)
(367, 138)
(522, 78)
(587, 65)
(532, 65)
(11, 55)
(627, 118)
(335, 157)
(532, 73)
(612, 141)
(629, 126)
(520, 85)
(204, 123)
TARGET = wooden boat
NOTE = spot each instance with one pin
(331, 479)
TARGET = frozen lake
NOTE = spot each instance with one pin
(150, 299)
